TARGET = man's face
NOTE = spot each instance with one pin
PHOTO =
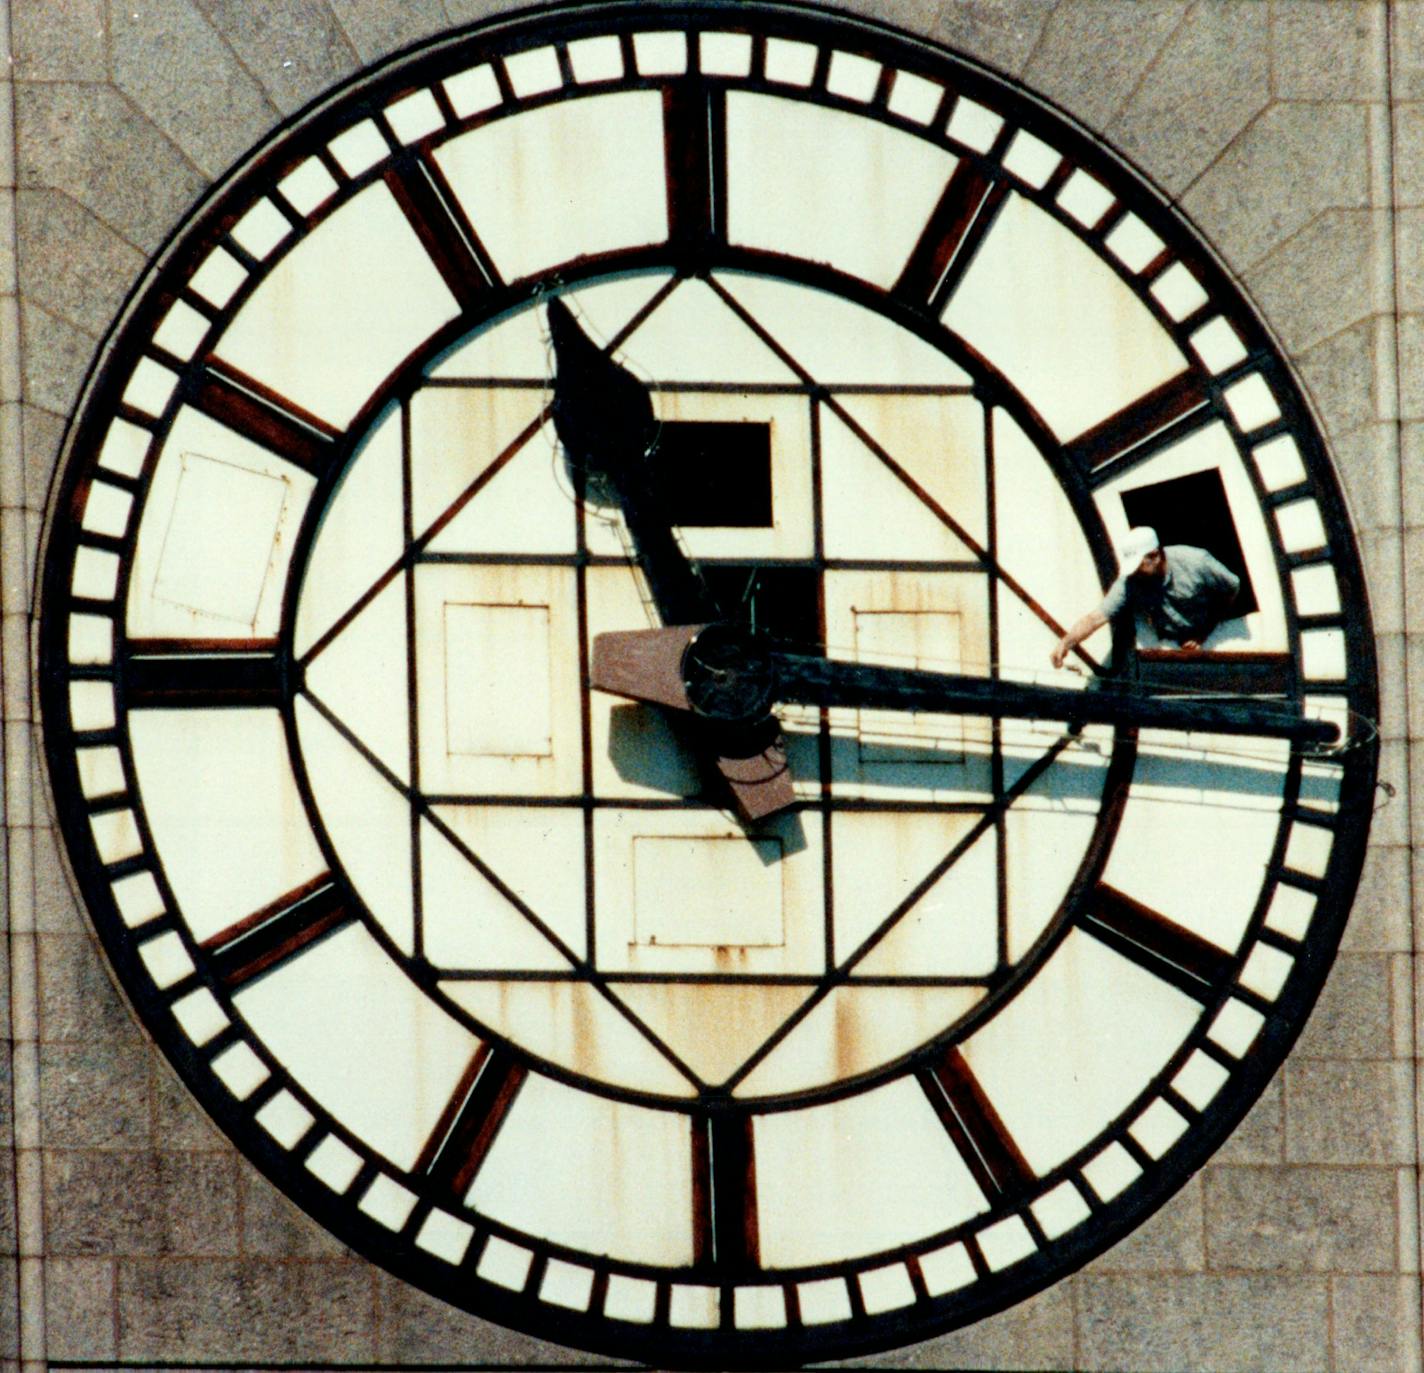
(1154, 565)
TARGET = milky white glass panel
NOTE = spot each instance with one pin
(367, 820)
(596, 59)
(1236, 1027)
(445, 1237)
(224, 811)
(240, 1070)
(567, 1284)
(1308, 849)
(504, 1263)
(125, 447)
(886, 1289)
(725, 54)
(138, 898)
(1252, 403)
(660, 54)
(695, 1307)
(166, 959)
(852, 76)
(1200, 1079)
(182, 330)
(1133, 243)
(1058, 1211)
(1217, 345)
(1290, 911)
(516, 178)
(534, 73)
(360, 536)
(359, 148)
(599, 1175)
(386, 1078)
(261, 229)
(1031, 159)
(947, 1270)
(1158, 1128)
(774, 201)
(1005, 1243)
(497, 680)
(284, 1118)
(836, 341)
(925, 639)
(308, 186)
(414, 116)
(334, 1163)
(101, 771)
(91, 639)
(150, 387)
(1085, 198)
(459, 754)
(199, 1016)
(1212, 447)
(91, 705)
(856, 1176)
(630, 1299)
(1316, 590)
(116, 835)
(96, 574)
(1175, 806)
(218, 278)
(793, 64)
(1178, 292)
(1075, 1046)
(708, 891)
(823, 1301)
(759, 1308)
(106, 510)
(1111, 1171)
(341, 310)
(914, 98)
(387, 1202)
(1323, 654)
(1301, 526)
(474, 91)
(1108, 350)
(616, 841)
(973, 125)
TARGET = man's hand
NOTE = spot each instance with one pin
(1190, 646)
(1060, 654)
(1090, 623)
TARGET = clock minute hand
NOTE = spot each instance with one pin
(804, 679)
(604, 418)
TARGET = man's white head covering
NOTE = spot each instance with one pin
(1140, 541)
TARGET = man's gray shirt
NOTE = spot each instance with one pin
(1188, 603)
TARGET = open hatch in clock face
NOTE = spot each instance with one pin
(722, 995)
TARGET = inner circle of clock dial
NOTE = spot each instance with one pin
(554, 855)
(476, 959)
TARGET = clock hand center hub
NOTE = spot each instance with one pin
(728, 675)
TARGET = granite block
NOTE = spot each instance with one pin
(246, 1311)
(9, 1308)
(178, 1121)
(1339, 374)
(56, 910)
(90, 142)
(1375, 1323)
(57, 356)
(1209, 81)
(1407, 56)
(1390, 661)
(1323, 50)
(1208, 1324)
(295, 48)
(1325, 1220)
(1091, 56)
(1411, 367)
(274, 1227)
(78, 999)
(1293, 163)
(1367, 462)
(1325, 278)
(413, 1328)
(41, 432)
(1348, 1112)
(375, 30)
(106, 1203)
(95, 1095)
(1390, 825)
(1413, 544)
(7, 1191)
(1038, 1333)
(62, 40)
(201, 98)
(1352, 1019)
(1169, 1241)
(999, 34)
(1409, 153)
(1410, 265)
(80, 1315)
(1411, 436)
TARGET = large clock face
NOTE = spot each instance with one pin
(482, 964)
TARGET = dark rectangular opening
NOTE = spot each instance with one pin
(781, 601)
(716, 472)
(1194, 510)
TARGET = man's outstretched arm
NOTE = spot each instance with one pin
(1079, 630)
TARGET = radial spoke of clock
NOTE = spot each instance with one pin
(940, 513)
(959, 224)
(1156, 420)
(269, 937)
(412, 681)
(1174, 954)
(280, 425)
(466, 1130)
(981, 1137)
(724, 1194)
(996, 725)
(843, 971)
(198, 674)
(695, 145)
(446, 235)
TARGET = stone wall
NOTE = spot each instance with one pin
(1292, 133)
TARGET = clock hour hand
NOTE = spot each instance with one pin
(604, 418)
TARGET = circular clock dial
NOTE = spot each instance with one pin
(484, 962)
